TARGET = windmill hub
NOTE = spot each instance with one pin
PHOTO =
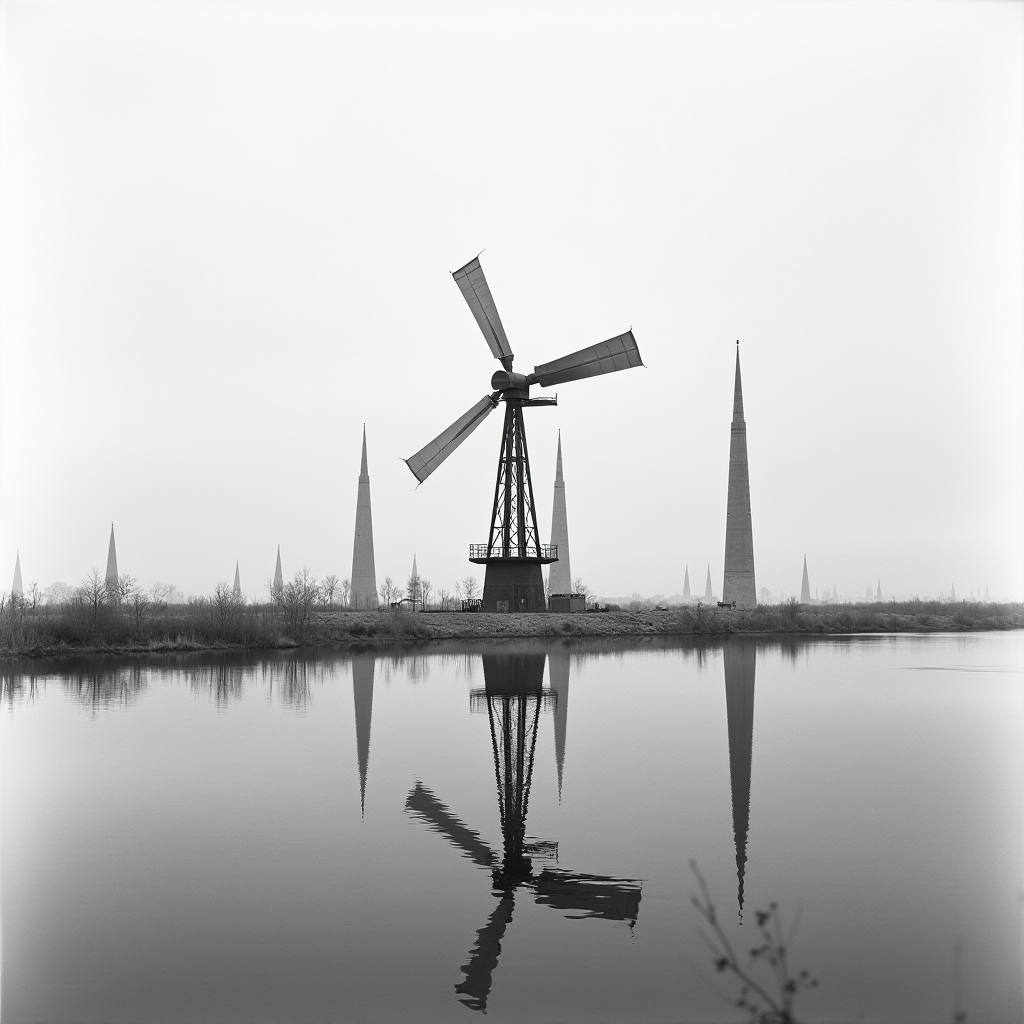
(506, 380)
(513, 553)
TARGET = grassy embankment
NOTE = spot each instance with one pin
(78, 629)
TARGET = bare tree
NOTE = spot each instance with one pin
(123, 588)
(413, 590)
(93, 592)
(579, 587)
(470, 587)
(158, 595)
(425, 591)
(388, 591)
(445, 599)
(58, 593)
(297, 598)
(32, 598)
(346, 588)
(139, 608)
(328, 588)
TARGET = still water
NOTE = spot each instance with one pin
(508, 828)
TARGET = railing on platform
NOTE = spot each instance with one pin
(514, 551)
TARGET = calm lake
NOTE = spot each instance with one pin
(508, 828)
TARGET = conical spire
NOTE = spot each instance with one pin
(111, 576)
(878, 592)
(415, 574)
(16, 588)
(739, 586)
(278, 575)
(362, 691)
(708, 595)
(364, 574)
(560, 573)
(238, 583)
(686, 584)
(805, 586)
(952, 592)
(558, 680)
(740, 657)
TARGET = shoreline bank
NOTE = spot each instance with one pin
(177, 630)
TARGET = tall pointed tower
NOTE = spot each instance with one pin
(686, 584)
(739, 536)
(237, 589)
(362, 692)
(805, 586)
(278, 575)
(364, 576)
(559, 573)
(708, 595)
(878, 592)
(740, 658)
(558, 681)
(111, 576)
(16, 588)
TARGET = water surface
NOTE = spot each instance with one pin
(427, 835)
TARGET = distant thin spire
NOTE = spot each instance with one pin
(238, 582)
(415, 573)
(558, 461)
(686, 584)
(111, 576)
(708, 594)
(363, 470)
(16, 589)
(805, 587)
(278, 575)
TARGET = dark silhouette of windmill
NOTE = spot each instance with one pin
(513, 698)
(513, 554)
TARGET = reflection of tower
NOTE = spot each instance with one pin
(559, 684)
(686, 584)
(111, 576)
(16, 588)
(362, 691)
(513, 697)
(740, 658)
(739, 537)
(559, 574)
(805, 586)
(364, 575)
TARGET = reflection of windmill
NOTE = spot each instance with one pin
(740, 658)
(513, 553)
(513, 698)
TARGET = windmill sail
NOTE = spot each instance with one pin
(431, 455)
(618, 353)
(422, 802)
(475, 291)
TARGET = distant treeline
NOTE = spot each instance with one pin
(102, 617)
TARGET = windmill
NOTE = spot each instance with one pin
(513, 697)
(513, 554)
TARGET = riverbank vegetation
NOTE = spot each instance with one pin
(98, 617)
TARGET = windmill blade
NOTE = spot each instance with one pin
(613, 899)
(473, 284)
(618, 353)
(423, 803)
(483, 957)
(431, 455)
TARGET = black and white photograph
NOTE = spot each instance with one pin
(372, 374)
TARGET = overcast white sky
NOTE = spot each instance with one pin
(228, 232)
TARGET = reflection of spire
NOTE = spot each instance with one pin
(559, 682)
(111, 576)
(740, 660)
(362, 691)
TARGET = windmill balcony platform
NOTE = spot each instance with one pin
(483, 553)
